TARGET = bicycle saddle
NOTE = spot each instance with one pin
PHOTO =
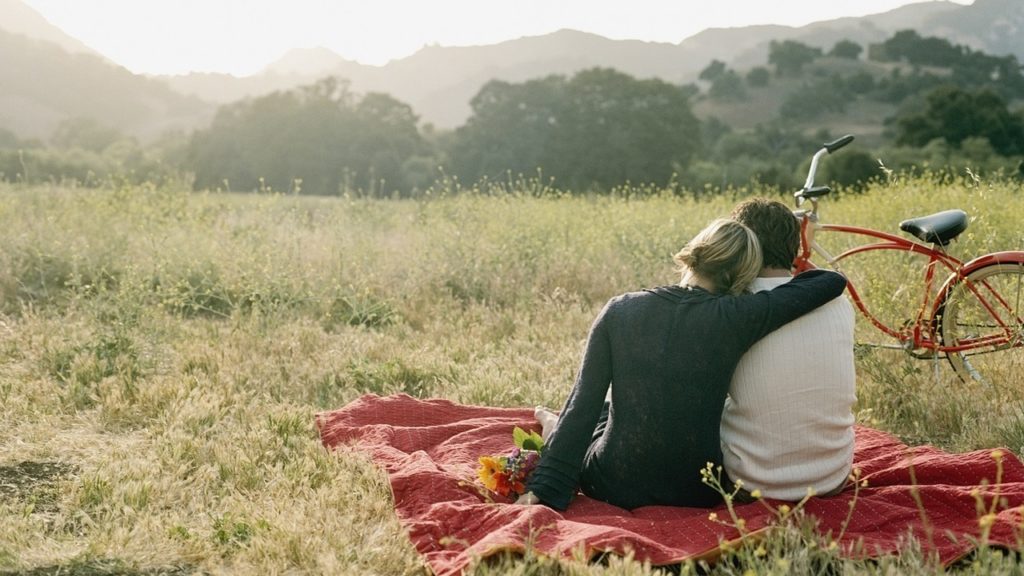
(938, 228)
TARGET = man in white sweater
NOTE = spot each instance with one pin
(788, 422)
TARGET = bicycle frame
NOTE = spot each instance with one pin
(921, 332)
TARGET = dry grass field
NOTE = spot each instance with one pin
(163, 353)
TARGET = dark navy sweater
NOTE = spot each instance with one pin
(670, 353)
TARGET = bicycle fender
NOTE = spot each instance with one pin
(1007, 257)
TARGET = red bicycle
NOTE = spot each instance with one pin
(973, 318)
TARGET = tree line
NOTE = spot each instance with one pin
(591, 131)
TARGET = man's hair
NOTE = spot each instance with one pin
(775, 226)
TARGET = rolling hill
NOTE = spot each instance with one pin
(439, 81)
(16, 17)
(42, 84)
(49, 76)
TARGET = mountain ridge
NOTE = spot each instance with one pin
(46, 85)
(438, 82)
(17, 17)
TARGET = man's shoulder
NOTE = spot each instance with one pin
(839, 309)
(822, 339)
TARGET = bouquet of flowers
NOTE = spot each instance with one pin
(507, 475)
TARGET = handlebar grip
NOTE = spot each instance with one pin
(808, 193)
(838, 143)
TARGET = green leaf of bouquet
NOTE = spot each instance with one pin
(519, 436)
(527, 440)
(533, 441)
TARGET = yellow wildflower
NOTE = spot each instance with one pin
(488, 468)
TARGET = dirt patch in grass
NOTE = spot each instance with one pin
(34, 482)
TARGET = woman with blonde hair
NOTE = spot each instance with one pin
(670, 352)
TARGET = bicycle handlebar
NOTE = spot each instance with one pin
(809, 191)
(838, 143)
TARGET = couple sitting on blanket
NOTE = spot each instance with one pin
(690, 382)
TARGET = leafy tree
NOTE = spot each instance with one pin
(725, 83)
(852, 168)
(790, 56)
(758, 76)
(768, 155)
(977, 148)
(897, 87)
(861, 82)
(513, 127)
(979, 69)
(8, 139)
(712, 71)
(712, 130)
(124, 161)
(621, 129)
(388, 138)
(954, 115)
(969, 68)
(319, 139)
(84, 133)
(846, 49)
(814, 99)
(598, 129)
(689, 90)
(911, 47)
(728, 87)
(171, 148)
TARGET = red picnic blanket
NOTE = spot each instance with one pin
(429, 449)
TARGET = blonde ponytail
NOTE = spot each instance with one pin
(725, 253)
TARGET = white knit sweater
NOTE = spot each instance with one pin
(788, 423)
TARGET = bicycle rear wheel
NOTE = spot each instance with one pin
(983, 313)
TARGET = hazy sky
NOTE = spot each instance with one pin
(242, 36)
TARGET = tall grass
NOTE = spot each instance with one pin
(170, 348)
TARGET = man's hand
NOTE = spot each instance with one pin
(528, 499)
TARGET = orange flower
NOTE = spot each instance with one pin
(488, 472)
(503, 485)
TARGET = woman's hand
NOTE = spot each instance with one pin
(528, 499)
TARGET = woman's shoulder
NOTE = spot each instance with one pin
(658, 295)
